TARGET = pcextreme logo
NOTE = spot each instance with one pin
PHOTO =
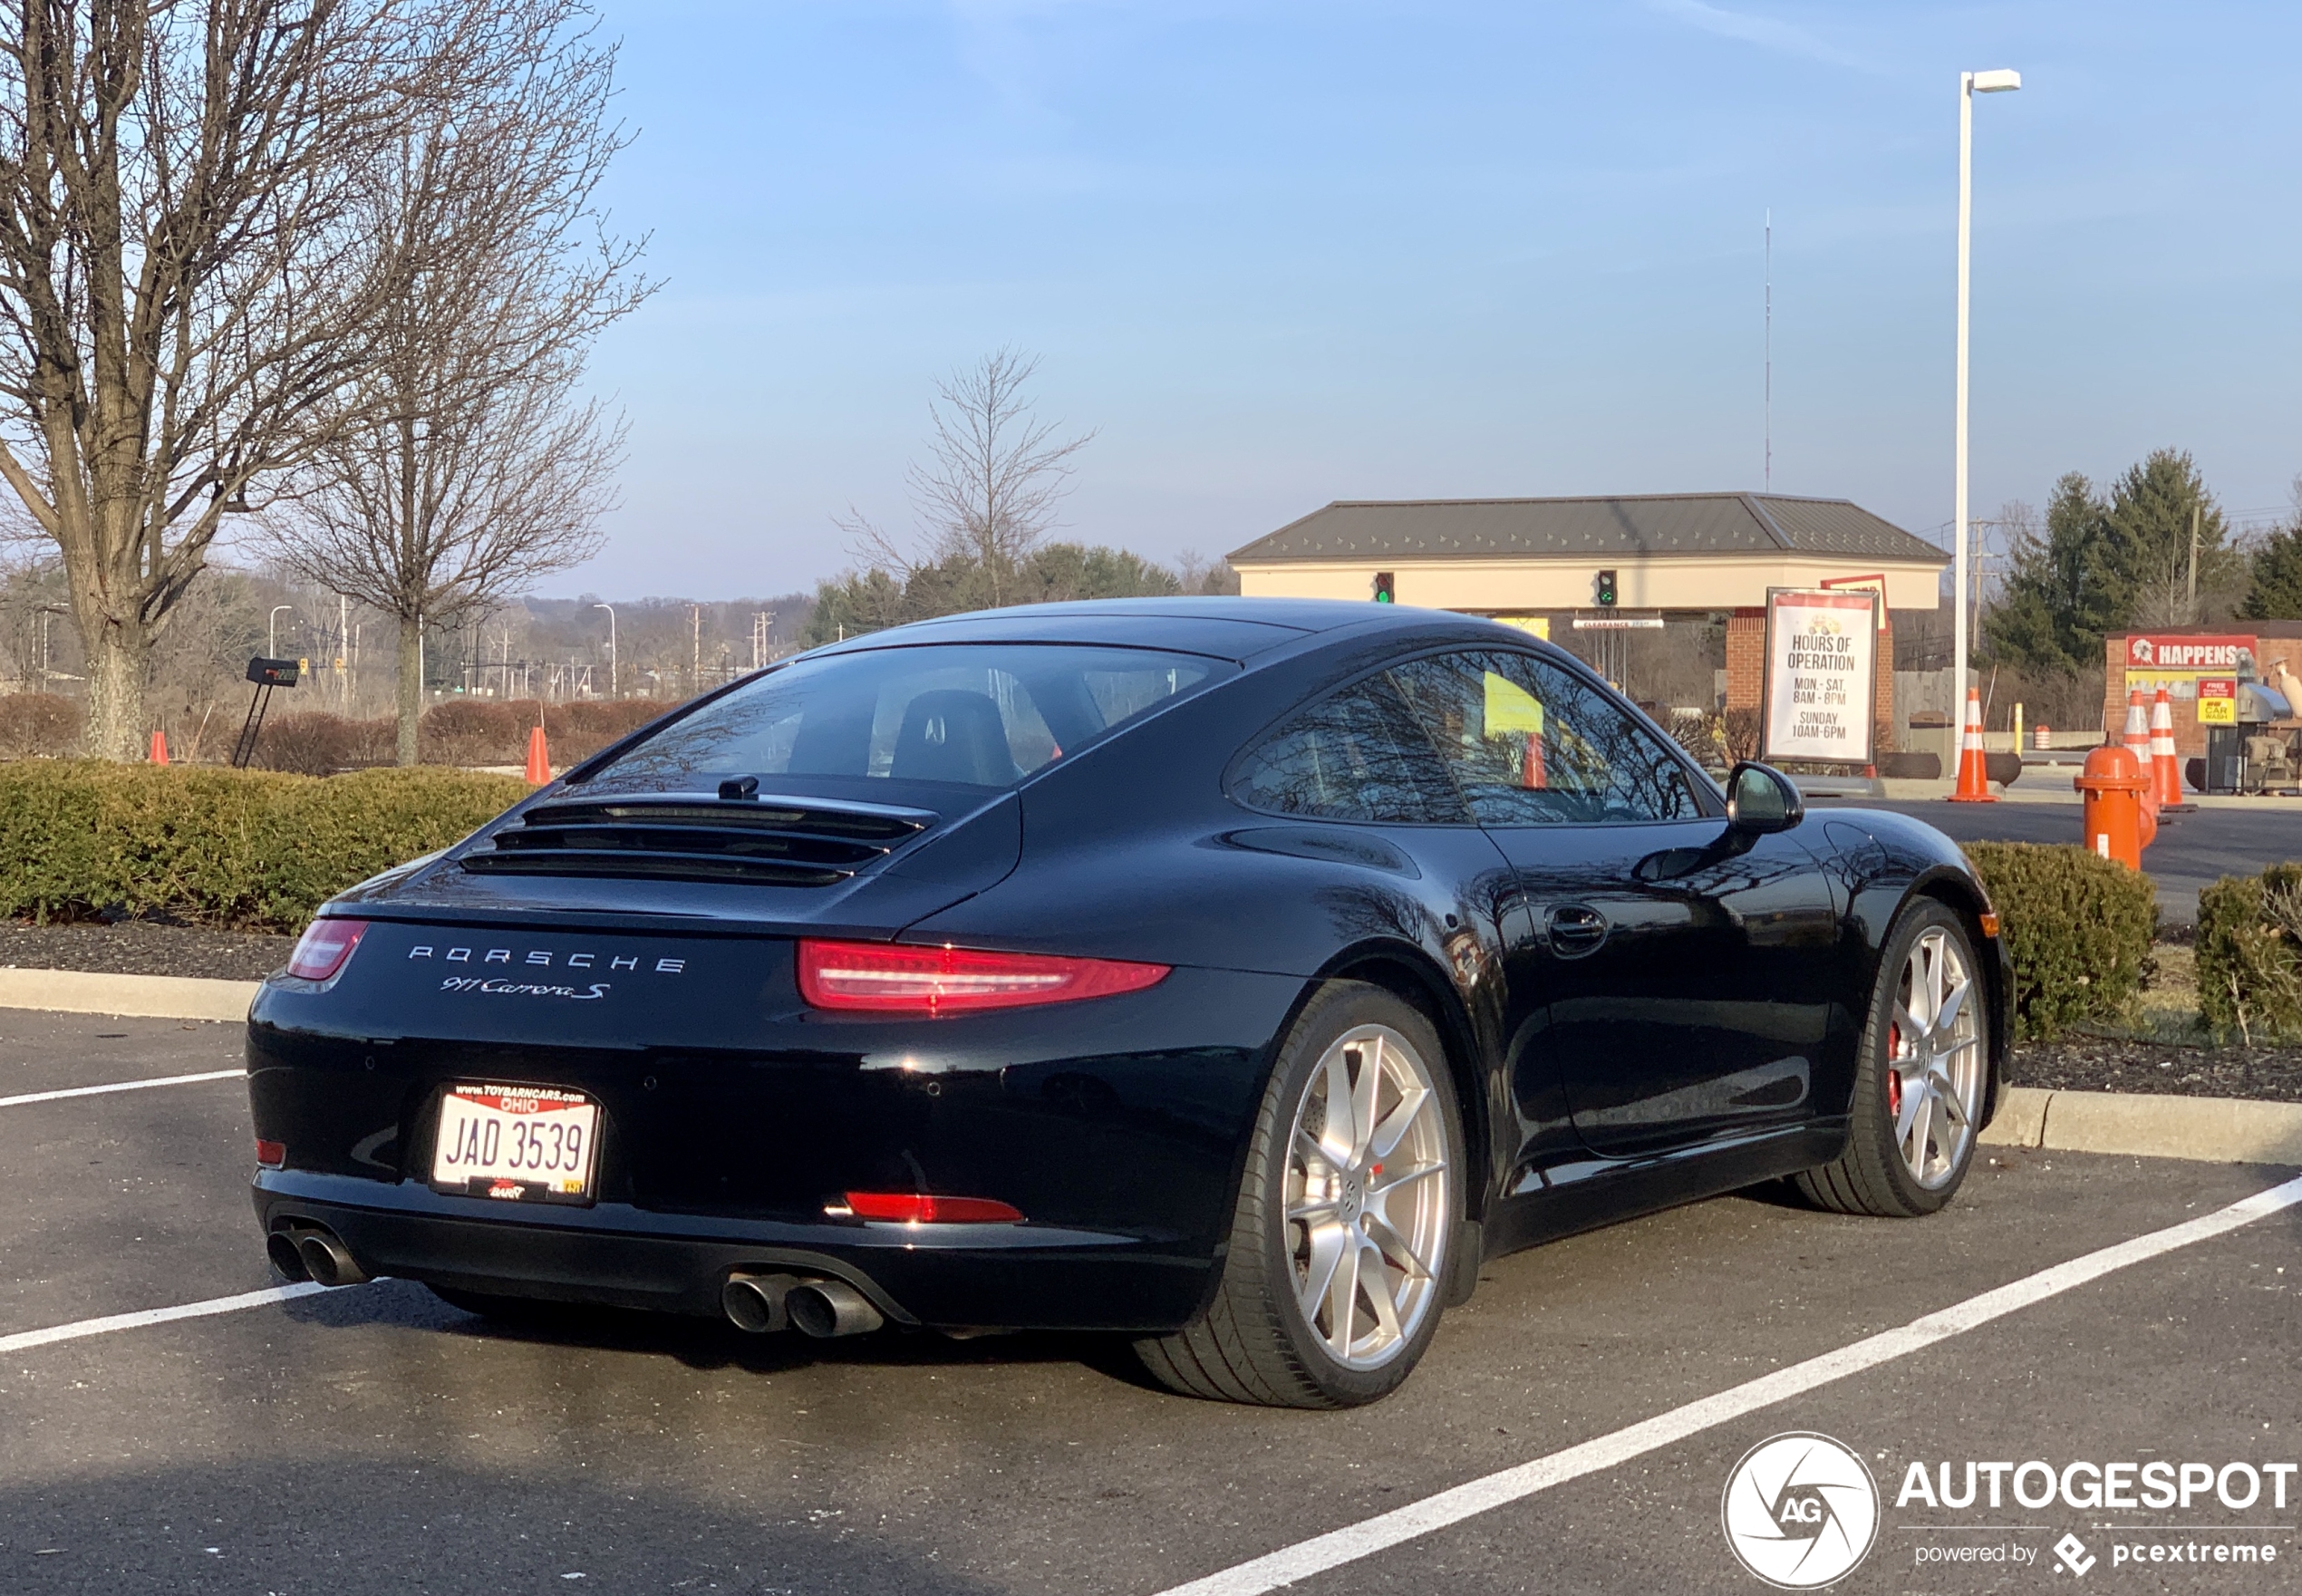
(1799, 1510)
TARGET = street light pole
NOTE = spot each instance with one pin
(271, 631)
(47, 610)
(614, 665)
(1971, 83)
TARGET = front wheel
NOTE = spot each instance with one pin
(1333, 1281)
(1920, 1082)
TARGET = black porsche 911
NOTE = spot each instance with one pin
(1235, 975)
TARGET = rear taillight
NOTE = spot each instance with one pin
(888, 979)
(325, 944)
(919, 1208)
(270, 1154)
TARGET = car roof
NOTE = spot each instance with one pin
(1227, 628)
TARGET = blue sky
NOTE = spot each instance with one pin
(1278, 254)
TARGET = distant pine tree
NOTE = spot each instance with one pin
(2275, 594)
(2057, 599)
(2145, 562)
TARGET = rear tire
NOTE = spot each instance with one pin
(1336, 1274)
(1921, 1079)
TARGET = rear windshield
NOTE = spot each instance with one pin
(955, 714)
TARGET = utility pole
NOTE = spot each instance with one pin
(1767, 470)
(2189, 602)
(696, 658)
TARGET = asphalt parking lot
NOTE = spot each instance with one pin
(2193, 850)
(374, 1439)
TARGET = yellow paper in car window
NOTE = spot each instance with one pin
(1511, 708)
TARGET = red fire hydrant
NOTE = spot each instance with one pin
(2114, 785)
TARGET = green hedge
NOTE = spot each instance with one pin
(2250, 954)
(250, 848)
(2078, 927)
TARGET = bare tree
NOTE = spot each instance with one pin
(182, 285)
(990, 491)
(470, 465)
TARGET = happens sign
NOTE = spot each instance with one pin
(1821, 650)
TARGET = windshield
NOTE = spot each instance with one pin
(976, 715)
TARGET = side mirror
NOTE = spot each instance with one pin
(1761, 799)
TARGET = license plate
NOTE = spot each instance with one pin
(520, 1144)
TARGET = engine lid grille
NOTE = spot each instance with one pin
(766, 840)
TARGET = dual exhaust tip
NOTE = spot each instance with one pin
(764, 1303)
(757, 1304)
(311, 1252)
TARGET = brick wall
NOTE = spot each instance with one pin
(1746, 660)
(1883, 701)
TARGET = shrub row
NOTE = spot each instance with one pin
(37, 725)
(2078, 928)
(461, 732)
(2250, 955)
(315, 742)
(249, 849)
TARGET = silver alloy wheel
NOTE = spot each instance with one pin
(1366, 1211)
(1934, 1048)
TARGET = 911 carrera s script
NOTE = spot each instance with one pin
(496, 986)
(516, 1143)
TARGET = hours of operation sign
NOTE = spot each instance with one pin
(1821, 651)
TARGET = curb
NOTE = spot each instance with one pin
(2210, 1130)
(138, 997)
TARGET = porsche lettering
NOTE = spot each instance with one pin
(540, 956)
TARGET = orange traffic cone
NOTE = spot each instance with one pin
(539, 761)
(1974, 779)
(159, 748)
(2137, 741)
(2165, 772)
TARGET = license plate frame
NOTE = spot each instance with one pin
(504, 1142)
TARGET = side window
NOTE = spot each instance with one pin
(1532, 745)
(1355, 755)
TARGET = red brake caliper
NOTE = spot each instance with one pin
(1894, 1076)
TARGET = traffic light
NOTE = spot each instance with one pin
(1385, 588)
(1606, 589)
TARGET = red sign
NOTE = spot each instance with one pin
(2148, 651)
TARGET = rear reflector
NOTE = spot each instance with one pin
(323, 947)
(270, 1154)
(888, 979)
(919, 1208)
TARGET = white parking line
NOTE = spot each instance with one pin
(120, 1321)
(119, 1085)
(1416, 1519)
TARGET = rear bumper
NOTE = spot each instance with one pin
(1004, 1276)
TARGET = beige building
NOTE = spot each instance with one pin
(1672, 556)
(1688, 553)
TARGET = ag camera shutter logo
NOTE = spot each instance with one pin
(1800, 1511)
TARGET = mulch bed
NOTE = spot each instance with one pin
(2079, 1062)
(142, 947)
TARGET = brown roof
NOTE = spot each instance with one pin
(1629, 527)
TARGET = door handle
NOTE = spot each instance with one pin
(1575, 929)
